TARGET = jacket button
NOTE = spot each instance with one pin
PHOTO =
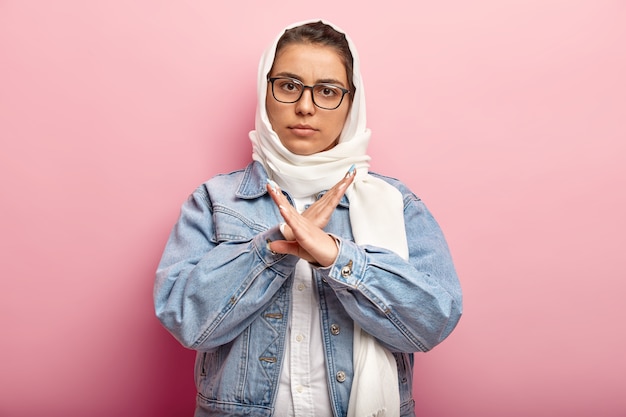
(346, 271)
(334, 329)
(341, 376)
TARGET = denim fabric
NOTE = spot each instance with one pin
(221, 292)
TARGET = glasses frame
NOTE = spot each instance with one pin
(304, 87)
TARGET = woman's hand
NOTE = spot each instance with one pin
(304, 232)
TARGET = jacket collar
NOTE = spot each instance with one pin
(253, 182)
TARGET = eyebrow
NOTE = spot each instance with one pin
(320, 81)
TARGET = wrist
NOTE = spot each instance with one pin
(332, 254)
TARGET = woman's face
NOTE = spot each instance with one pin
(302, 127)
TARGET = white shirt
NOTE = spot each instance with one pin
(303, 387)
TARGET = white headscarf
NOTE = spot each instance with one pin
(376, 217)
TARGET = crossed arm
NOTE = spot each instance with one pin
(304, 234)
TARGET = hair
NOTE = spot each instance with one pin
(320, 33)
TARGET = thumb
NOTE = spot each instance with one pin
(290, 248)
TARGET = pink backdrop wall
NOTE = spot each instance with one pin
(506, 117)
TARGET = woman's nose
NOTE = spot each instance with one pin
(305, 105)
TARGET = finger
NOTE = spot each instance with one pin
(337, 191)
(312, 242)
(277, 196)
(274, 192)
(293, 219)
(333, 196)
(290, 248)
(285, 229)
(321, 211)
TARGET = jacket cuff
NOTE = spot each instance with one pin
(349, 266)
(279, 261)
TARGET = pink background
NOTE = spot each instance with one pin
(506, 117)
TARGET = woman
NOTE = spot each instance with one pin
(304, 281)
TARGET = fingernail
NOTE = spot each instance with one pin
(273, 185)
(267, 245)
(351, 171)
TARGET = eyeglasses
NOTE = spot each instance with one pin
(289, 90)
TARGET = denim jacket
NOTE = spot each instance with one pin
(221, 292)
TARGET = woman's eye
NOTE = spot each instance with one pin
(289, 86)
(328, 91)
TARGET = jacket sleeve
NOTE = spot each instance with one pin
(408, 305)
(207, 292)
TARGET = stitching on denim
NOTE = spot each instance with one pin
(217, 208)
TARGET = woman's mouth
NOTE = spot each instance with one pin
(302, 130)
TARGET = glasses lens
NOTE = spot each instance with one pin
(327, 96)
(287, 90)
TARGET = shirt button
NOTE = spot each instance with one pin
(334, 329)
(299, 338)
(346, 271)
(341, 376)
(300, 287)
(299, 389)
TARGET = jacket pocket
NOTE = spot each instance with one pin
(231, 225)
(208, 370)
